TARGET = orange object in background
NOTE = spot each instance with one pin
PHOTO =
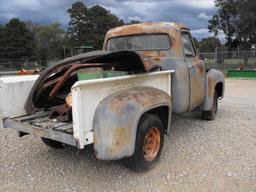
(241, 67)
(28, 72)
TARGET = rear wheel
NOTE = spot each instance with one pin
(52, 143)
(210, 115)
(149, 144)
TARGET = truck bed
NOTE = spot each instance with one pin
(41, 125)
(86, 97)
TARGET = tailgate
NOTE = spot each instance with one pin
(13, 94)
(41, 125)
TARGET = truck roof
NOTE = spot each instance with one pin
(145, 27)
(170, 28)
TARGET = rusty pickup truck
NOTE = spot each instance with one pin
(120, 99)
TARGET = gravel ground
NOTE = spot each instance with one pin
(198, 156)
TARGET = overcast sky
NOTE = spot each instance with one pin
(194, 13)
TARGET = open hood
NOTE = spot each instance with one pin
(39, 96)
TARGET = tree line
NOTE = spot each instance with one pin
(236, 18)
(21, 41)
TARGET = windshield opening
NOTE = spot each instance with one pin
(145, 42)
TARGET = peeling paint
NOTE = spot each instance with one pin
(117, 117)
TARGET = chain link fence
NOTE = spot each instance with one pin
(220, 60)
(9, 68)
(229, 60)
(29, 65)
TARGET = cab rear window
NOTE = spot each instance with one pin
(146, 42)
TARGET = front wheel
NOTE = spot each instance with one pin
(210, 115)
(149, 144)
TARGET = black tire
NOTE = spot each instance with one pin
(210, 115)
(52, 143)
(139, 161)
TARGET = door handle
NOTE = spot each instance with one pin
(191, 66)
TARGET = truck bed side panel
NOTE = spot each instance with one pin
(87, 95)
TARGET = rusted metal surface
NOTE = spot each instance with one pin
(40, 125)
(63, 113)
(164, 59)
(117, 117)
(28, 72)
(151, 144)
(172, 59)
(196, 73)
(73, 68)
(197, 82)
(85, 101)
(172, 29)
(60, 72)
(189, 81)
(214, 77)
(110, 119)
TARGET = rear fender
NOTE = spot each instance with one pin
(215, 81)
(116, 120)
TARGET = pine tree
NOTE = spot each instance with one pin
(79, 26)
(19, 41)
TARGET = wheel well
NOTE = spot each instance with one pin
(219, 89)
(162, 113)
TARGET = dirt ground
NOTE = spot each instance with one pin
(198, 156)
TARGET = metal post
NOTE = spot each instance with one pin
(254, 54)
(238, 55)
(254, 50)
(216, 56)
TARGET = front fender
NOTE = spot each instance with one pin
(116, 120)
(213, 78)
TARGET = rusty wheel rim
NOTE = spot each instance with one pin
(151, 144)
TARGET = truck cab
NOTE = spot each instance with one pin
(170, 46)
